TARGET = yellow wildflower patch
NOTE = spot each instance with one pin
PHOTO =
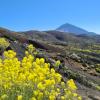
(32, 79)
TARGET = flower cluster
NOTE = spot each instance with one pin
(32, 79)
(30, 48)
(4, 43)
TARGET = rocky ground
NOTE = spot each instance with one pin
(87, 83)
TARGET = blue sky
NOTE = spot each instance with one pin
(20, 15)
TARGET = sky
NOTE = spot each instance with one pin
(21, 15)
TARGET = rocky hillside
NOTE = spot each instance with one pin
(79, 56)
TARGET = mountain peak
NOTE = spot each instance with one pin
(72, 29)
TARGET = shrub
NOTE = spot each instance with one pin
(98, 70)
(57, 63)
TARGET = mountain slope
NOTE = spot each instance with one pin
(76, 63)
(39, 35)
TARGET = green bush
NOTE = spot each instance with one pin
(98, 70)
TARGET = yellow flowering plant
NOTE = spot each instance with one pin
(3, 43)
(32, 79)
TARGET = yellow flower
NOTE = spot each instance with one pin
(79, 98)
(40, 86)
(51, 97)
(63, 84)
(71, 84)
(75, 94)
(30, 77)
(47, 82)
(35, 93)
(9, 54)
(26, 53)
(58, 90)
(42, 61)
(31, 48)
(41, 78)
(53, 82)
(19, 97)
(33, 98)
(40, 96)
(37, 61)
(68, 92)
(63, 98)
(52, 71)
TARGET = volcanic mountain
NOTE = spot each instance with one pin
(69, 28)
